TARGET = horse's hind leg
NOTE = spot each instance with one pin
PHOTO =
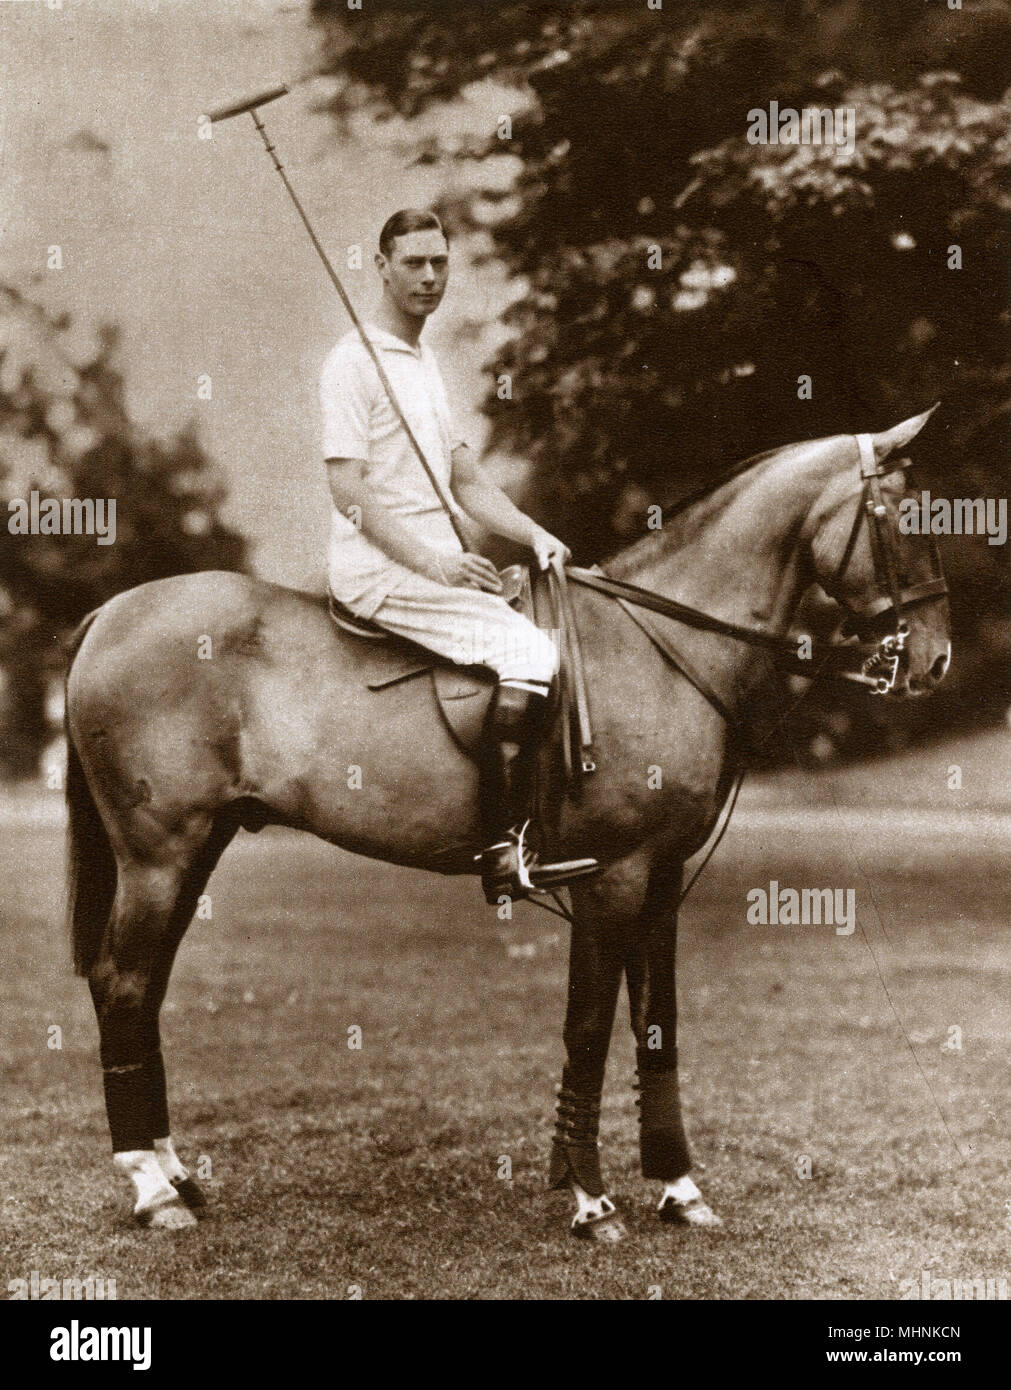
(153, 905)
(652, 994)
(193, 884)
(122, 983)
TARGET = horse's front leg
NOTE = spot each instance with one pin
(652, 994)
(605, 910)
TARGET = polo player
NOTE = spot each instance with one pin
(394, 554)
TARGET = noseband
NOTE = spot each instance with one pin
(894, 600)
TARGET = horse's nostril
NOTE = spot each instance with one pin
(939, 667)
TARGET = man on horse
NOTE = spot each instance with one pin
(395, 553)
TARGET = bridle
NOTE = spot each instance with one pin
(882, 654)
(894, 599)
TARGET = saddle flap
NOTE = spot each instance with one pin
(463, 694)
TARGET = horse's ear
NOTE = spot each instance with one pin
(900, 435)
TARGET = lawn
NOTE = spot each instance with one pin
(378, 1167)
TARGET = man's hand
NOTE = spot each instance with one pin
(549, 549)
(467, 571)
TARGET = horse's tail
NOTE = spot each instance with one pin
(91, 864)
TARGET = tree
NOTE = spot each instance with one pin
(65, 433)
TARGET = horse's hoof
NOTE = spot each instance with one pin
(694, 1212)
(608, 1229)
(170, 1215)
(191, 1193)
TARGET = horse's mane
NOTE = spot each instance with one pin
(683, 518)
(707, 489)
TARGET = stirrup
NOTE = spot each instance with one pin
(526, 877)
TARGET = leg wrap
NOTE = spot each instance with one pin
(154, 1077)
(126, 1104)
(135, 1103)
(575, 1152)
(663, 1145)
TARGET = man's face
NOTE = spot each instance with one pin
(416, 271)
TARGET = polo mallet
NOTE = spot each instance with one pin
(252, 105)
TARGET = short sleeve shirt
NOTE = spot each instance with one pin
(359, 422)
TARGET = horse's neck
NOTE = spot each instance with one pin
(737, 556)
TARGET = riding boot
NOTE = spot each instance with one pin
(511, 736)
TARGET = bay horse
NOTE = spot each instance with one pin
(170, 754)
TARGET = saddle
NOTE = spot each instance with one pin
(463, 693)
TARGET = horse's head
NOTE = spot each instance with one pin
(888, 579)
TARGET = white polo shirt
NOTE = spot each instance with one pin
(359, 423)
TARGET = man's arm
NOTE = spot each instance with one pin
(350, 491)
(484, 500)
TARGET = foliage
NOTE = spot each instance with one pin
(65, 432)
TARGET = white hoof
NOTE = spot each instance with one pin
(695, 1213)
(158, 1203)
(596, 1218)
(682, 1204)
(167, 1216)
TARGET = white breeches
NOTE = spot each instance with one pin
(470, 627)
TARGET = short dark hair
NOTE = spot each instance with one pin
(408, 220)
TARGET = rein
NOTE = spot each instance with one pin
(783, 648)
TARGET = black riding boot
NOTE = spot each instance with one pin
(511, 735)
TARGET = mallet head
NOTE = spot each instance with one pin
(239, 108)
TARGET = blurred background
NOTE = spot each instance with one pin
(163, 319)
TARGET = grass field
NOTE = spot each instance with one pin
(333, 1167)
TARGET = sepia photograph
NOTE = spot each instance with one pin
(505, 664)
